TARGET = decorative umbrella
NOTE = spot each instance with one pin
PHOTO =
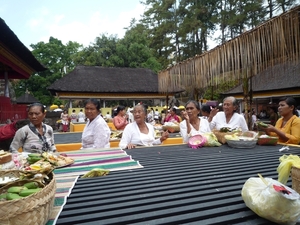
(52, 107)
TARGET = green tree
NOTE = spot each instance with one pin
(55, 56)
(238, 15)
(134, 51)
(131, 51)
(160, 20)
(196, 25)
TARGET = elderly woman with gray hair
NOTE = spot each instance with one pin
(140, 133)
(228, 117)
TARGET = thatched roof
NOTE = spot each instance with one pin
(107, 80)
(18, 58)
(278, 77)
(26, 99)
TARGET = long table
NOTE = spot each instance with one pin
(178, 185)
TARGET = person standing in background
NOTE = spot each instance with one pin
(73, 116)
(254, 119)
(65, 120)
(130, 115)
(156, 116)
(298, 110)
(273, 115)
(81, 116)
(108, 117)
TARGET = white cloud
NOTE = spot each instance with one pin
(58, 18)
(96, 24)
(69, 25)
(34, 23)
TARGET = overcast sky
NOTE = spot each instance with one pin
(68, 20)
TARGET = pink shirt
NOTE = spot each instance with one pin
(120, 122)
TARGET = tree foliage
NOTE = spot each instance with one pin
(57, 58)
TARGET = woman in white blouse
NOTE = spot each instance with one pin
(140, 133)
(192, 124)
(96, 132)
(229, 117)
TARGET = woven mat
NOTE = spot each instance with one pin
(85, 160)
(64, 186)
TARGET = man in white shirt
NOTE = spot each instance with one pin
(130, 115)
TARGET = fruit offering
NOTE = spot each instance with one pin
(17, 192)
(46, 161)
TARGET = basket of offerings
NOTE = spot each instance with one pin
(28, 199)
(243, 140)
(267, 140)
(220, 134)
(171, 127)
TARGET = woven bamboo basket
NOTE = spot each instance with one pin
(33, 209)
(221, 135)
(295, 174)
(171, 129)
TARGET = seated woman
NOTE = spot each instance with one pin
(228, 117)
(140, 133)
(287, 128)
(36, 137)
(172, 116)
(96, 133)
(120, 120)
(205, 111)
(192, 123)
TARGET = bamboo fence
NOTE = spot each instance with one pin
(272, 43)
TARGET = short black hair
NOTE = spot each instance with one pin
(94, 102)
(205, 108)
(291, 102)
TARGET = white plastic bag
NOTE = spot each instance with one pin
(272, 200)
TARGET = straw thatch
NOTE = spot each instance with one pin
(272, 43)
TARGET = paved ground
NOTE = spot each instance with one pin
(69, 137)
(75, 137)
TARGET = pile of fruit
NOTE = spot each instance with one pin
(46, 162)
(17, 192)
